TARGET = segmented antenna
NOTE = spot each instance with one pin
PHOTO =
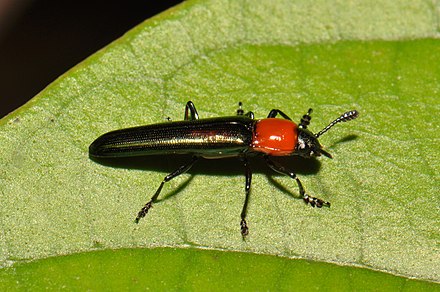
(351, 115)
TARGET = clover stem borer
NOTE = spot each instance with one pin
(239, 136)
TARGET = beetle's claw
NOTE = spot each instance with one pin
(315, 202)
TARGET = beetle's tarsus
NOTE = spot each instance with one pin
(244, 228)
(143, 211)
(315, 202)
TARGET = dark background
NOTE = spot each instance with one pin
(42, 39)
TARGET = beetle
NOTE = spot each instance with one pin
(237, 136)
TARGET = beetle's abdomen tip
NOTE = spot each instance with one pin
(96, 149)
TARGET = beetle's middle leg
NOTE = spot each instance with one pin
(240, 111)
(177, 172)
(273, 113)
(247, 188)
(308, 199)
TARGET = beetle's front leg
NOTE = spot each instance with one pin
(177, 172)
(308, 199)
(305, 120)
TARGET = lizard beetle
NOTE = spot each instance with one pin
(236, 136)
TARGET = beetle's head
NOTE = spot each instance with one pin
(308, 144)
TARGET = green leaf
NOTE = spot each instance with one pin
(192, 269)
(377, 57)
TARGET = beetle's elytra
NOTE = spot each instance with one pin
(240, 136)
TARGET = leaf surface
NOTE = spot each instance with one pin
(377, 57)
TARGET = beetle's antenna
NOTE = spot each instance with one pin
(348, 116)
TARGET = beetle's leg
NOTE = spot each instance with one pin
(250, 115)
(190, 112)
(177, 172)
(273, 113)
(308, 199)
(305, 120)
(240, 111)
(247, 189)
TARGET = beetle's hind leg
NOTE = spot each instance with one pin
(190, 112)
(177, 172)
(307, 199)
